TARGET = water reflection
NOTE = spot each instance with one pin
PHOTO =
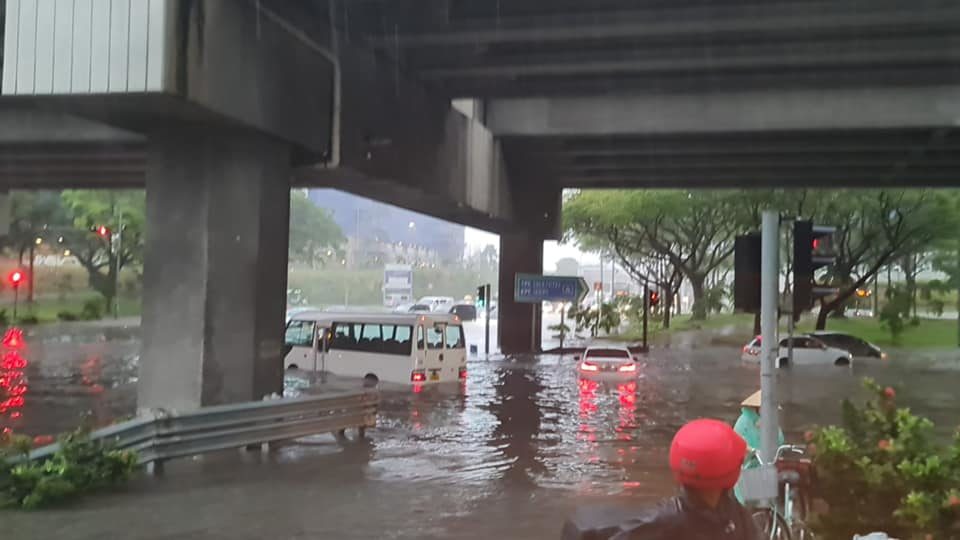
(516, 408)
(14, 385)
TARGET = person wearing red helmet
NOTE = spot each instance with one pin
(705, 458)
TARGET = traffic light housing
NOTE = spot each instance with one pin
(746, 273)
(812, 250)
(654, 298)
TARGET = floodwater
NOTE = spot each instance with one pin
(507, 454)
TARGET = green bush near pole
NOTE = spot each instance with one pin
(81, 465)
(884, 471)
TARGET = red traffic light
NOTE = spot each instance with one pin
(102, 231)
(15, 278)
(654, 298)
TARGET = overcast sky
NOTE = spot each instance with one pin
(476, 240)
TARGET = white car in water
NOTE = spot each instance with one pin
(807, 351)
(607, 361)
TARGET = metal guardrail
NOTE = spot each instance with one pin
(238, 425)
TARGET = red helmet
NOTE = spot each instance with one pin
(707, 454)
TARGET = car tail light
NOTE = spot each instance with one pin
(418, 376)
(463, 373)
(627, 368)
(589, 366)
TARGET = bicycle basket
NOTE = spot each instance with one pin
(758, 484)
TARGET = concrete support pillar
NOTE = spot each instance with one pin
(518, 324)
(215, 269)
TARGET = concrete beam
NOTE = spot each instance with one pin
(405, 146)
(702, 22)
(727, 112)
(140, 64)
(825, 54)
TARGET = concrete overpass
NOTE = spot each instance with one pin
(218, 107)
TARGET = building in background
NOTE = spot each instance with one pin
(379, 233)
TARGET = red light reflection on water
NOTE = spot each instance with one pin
(13, 382)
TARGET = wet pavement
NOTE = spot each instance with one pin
(507, 454)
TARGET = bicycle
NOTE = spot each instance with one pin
(783, 519)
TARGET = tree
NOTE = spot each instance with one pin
(692, 230)
(874, 227)
(123, 213)
(313, 232)
(33, 214)
(946, 253)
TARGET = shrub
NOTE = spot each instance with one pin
(79, 466)
(883, 471)
(4, 318)
(894, 313)
(92, 310)
(67, 316)
(29, 319)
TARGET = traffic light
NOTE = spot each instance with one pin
(481, 296)
(654, 298)
(15, 278)
(746, 273)
(812, 250)
(102, 231)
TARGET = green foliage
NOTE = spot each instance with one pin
(884, 471)
(895, 311)
(67, 316)
(79, 466)
(607, 318)
(313, 232)
(937, 306)
(561, 331)
(92, 310)
(101, 256)
(713, 298)
(693, 231)
(4, 317)
(28, 320)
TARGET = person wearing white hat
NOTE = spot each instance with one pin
(748, 427)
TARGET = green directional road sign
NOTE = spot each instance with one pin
(534, 288)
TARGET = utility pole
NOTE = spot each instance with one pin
(769, 299)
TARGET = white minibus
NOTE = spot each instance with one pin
(419, 348)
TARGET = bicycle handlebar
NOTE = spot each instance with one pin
(781, 450)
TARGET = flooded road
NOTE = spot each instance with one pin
(507, 454)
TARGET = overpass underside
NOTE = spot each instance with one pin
(218, 108)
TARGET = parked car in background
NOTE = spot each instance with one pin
(857, 347)
(466, 312)
(807, 351)
(607, 362)
(420, 308)
(438, 304)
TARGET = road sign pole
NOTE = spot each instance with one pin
(563, 321)
(486, 307)
(16, 298)
(769, 277)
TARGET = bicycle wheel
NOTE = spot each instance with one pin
(772, 524)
